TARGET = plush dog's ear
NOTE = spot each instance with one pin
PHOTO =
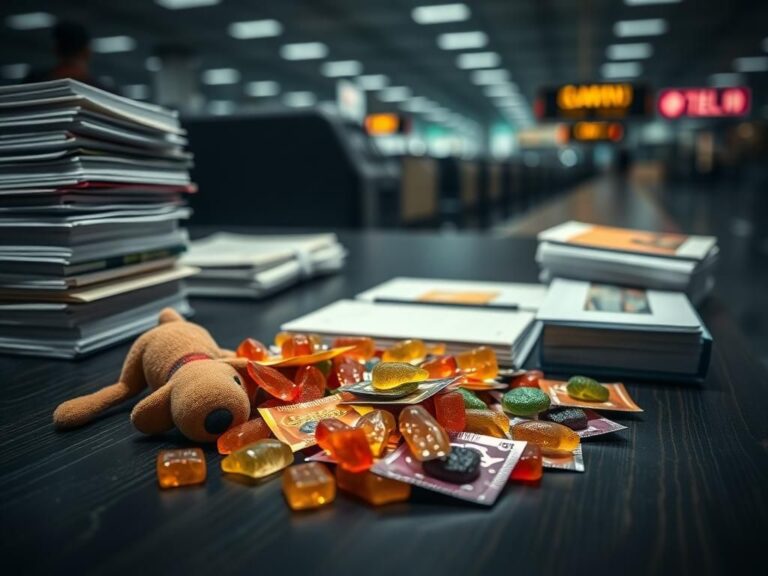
(153, 414)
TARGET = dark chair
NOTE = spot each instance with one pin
(304, 168)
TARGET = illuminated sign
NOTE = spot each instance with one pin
(543, 136)
(585, 101)
(385, 124)
(704, 102)
(597, 132)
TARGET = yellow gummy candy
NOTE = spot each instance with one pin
(388, 375)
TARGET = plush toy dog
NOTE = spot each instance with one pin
(195, 384)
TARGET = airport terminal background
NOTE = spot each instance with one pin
(388, 114)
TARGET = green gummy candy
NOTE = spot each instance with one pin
(471, 401)
(583, 388)
(525, 401)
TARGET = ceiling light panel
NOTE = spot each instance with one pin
(440, 13)
(255, 29)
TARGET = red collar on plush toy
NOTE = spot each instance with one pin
(186, 359)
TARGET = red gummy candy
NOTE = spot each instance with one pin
(273, 382)
(325, 428)
(450, 411)
(311, 383)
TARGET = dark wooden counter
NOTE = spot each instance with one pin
(683, 490)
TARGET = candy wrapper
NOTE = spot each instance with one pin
(295, 424)
(619, 399)
(365, 393)
(573, 461)
(499, 457)
(597, 425)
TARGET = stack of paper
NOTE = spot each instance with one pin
(630, 257)
(91, 194)
(611, 331)
(461, 315)
(239, 265)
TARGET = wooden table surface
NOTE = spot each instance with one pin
(683, 490)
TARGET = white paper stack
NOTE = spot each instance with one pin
(91, 195)
(612, 331)
(399, 310)
(245, 266)
(630, 257)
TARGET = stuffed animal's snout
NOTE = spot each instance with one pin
(207, 399)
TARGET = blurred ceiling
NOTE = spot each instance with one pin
(539, 42)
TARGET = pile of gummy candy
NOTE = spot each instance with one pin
(469, 404)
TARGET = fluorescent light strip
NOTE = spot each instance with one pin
(372, 81)
(30, 21)
(725, 79)
(648, 27)
(440, 13)
(500, 91)
(650, 2)
(614, 70)
(635, 51)
(395, 94)
(184, 4)
(113, 44)
(472, 60)
(488, 77)
(220, 76)
(751, 64)
(221, 107)
(262, 89)
(250, 29)
(301, 99)
(462, 40)
(14, 71)
(341, 68)
(304, 51)
(136, 91)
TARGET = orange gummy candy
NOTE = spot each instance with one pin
(180, 467)
(297, 345)
(373, 489)
(350, 449)
(479, 363)
(364, 348)
(242, 435)
(252, 349)
(441, 367)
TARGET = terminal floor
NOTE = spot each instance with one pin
(734, 209)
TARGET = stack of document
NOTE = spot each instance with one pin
(631, 257)
(244, 266)
(91, 195)
(611, 331)
(461, 315)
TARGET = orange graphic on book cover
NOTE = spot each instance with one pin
(630, 240)
(458, 297)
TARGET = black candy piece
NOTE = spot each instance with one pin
(462, 465)
(574, 418)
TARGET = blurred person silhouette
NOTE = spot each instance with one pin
(72, 44)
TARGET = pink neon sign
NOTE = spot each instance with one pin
(704, 102)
